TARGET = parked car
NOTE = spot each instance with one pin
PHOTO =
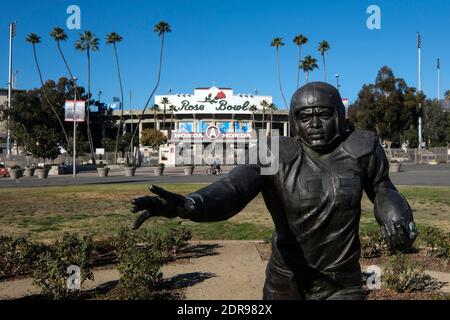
(3, 171)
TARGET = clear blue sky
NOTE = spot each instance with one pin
(229, 42)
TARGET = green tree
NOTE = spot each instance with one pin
(299, 40)
(447, 95)
(59, 35)
(153, 138)
(272, 108)
(88, 43)
(34, 39)
(264, 104)
(387, 107)
(308, 64)
(253, 109)
(164, 101)
(31, 109)
(323, 48)
(155, 108)
(114, 38)
(277, 43)
(171, 110)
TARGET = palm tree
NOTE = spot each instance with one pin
(155, 109)
(309, 64)
(113, 38)
(299, 40)
(272, 108)
(253, 109)
(171, 110)
(164, 101)
(58, 34)
(447, 95)
(278, 42)
(324, 46)
(88, 42)
(34, 39)
(161, 29)
(264, 104)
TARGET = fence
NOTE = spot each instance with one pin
(416, 156)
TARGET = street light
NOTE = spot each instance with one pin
(74, 160)
(337, 81)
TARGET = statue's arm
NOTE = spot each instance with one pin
(228, 196)
(392, 211)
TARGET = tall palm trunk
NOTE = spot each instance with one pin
(279, 80)
(154, 89)
(88, 122)
(271, 120)
(164, 118)
(121, 103)
(264, 118)
(298, 66)
(46, 97)
(324, 68)
(253, 121)
(171, 124)
(77, 93)
(307, 76)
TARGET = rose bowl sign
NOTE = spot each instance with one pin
(212, 100)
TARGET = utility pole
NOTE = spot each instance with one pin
(419, 91)
(439, 81)
(74, 161)
(12, 33)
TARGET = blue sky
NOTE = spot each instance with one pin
(229, 42)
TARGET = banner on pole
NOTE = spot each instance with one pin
(75, 110)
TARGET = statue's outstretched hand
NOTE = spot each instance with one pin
(399, 234)
(166, 204)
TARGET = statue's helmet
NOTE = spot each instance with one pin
(314, 95)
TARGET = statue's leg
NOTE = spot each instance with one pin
(280, 283)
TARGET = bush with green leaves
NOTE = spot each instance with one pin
(437, 242)
(177, 238)
(404, 275)
(51, 267)
(16, 256)
(372, 244)
(139, 262)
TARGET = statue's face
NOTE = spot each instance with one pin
(317, 126)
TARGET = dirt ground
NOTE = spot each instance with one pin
(228, 270)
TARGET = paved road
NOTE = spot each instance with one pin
(423, 175)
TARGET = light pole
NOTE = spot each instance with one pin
(419, 129)
(337, 81)
(439, 81)
(74, 161)
(12, 33)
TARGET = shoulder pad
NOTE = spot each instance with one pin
(289, 149)
(360, 143)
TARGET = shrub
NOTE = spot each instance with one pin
(403, 275)
(177, 238)
(50, 269)
(438, 243)
(139, 262)
(16, 256)
(372, 244)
